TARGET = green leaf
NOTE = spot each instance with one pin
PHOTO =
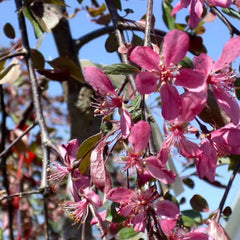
(231, 12)
(187, 221)
(180, 26)
(112, 215)
(84, 152)
(168, 20)
(120, 69)
(9, 31)
(135, 103)
(136, 40)
(199, 204)
(36, 27)
(237, 87)
(111, 44)
(117, 4)
(196, 216)
(186, 63)
(129, 234)
(1, 234)
(65, 63)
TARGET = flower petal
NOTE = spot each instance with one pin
(125, 123)
(171, 102)
(196, 11)
(175, 47)
(191, 80)
(146, 82)
(145, 57)
(158, 171)
(139, 136)
(120, 194)
(228, 103)
(203, 63)
(167, 209)
(98, 80)
(231, 50)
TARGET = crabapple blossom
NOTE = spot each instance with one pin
(161, 73)
(220, 78)
(137, 205)
(61, 170)
(196, 8)
(79, 210)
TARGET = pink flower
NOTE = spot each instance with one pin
(216, 231)
(219, 78)
(79, 210)
(61, 170)
(102, 84)
(136, 206)
(161, 73)
(196, 9)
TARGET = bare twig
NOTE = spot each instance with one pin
(5, 151)
(21, 194)
(109, 29)
(231, 28)
(3, 165)
(220, 208)
(16, 54)
(147, 39)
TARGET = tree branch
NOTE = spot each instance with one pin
(147, 39)
(3, 166)
(230, 27)
(220, 208)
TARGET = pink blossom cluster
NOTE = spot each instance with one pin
(184, 93)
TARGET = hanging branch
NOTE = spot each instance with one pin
(16, 54)
(220, 208)
(80, 42)
(147, 39)
(119, 35)
(3, 166)
(230, 27)
(35, 93)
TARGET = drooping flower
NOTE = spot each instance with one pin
(60, 170)
(137, 205)
(216, 231)
(219, 77)
(79, 210)
(146, 167)
(196, 8)
(162, 72)
(102, 85)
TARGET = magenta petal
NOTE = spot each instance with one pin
(98, 80)
(228, 103)
(175, 47)
(206, 164)
(231, 51)
(191, 80)
(158, 171)
(139, 222)
(171, 102)
(167, 209)
(187, 148)
(139, 136)
(92, 197)
(120, 194)
(146, 82)
(220, 3)
(203, 63)
(196, 11)
(125, 123)
(145, 57)
(192, 104)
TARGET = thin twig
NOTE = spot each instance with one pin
(3, 153)
(147, 36)
(3, 164)
(80, 42)
(17, 54)
(229, 25)
(21, 194)
(220, 208)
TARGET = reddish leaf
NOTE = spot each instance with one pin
(199, 204)
(98, 172)
(59, 75)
